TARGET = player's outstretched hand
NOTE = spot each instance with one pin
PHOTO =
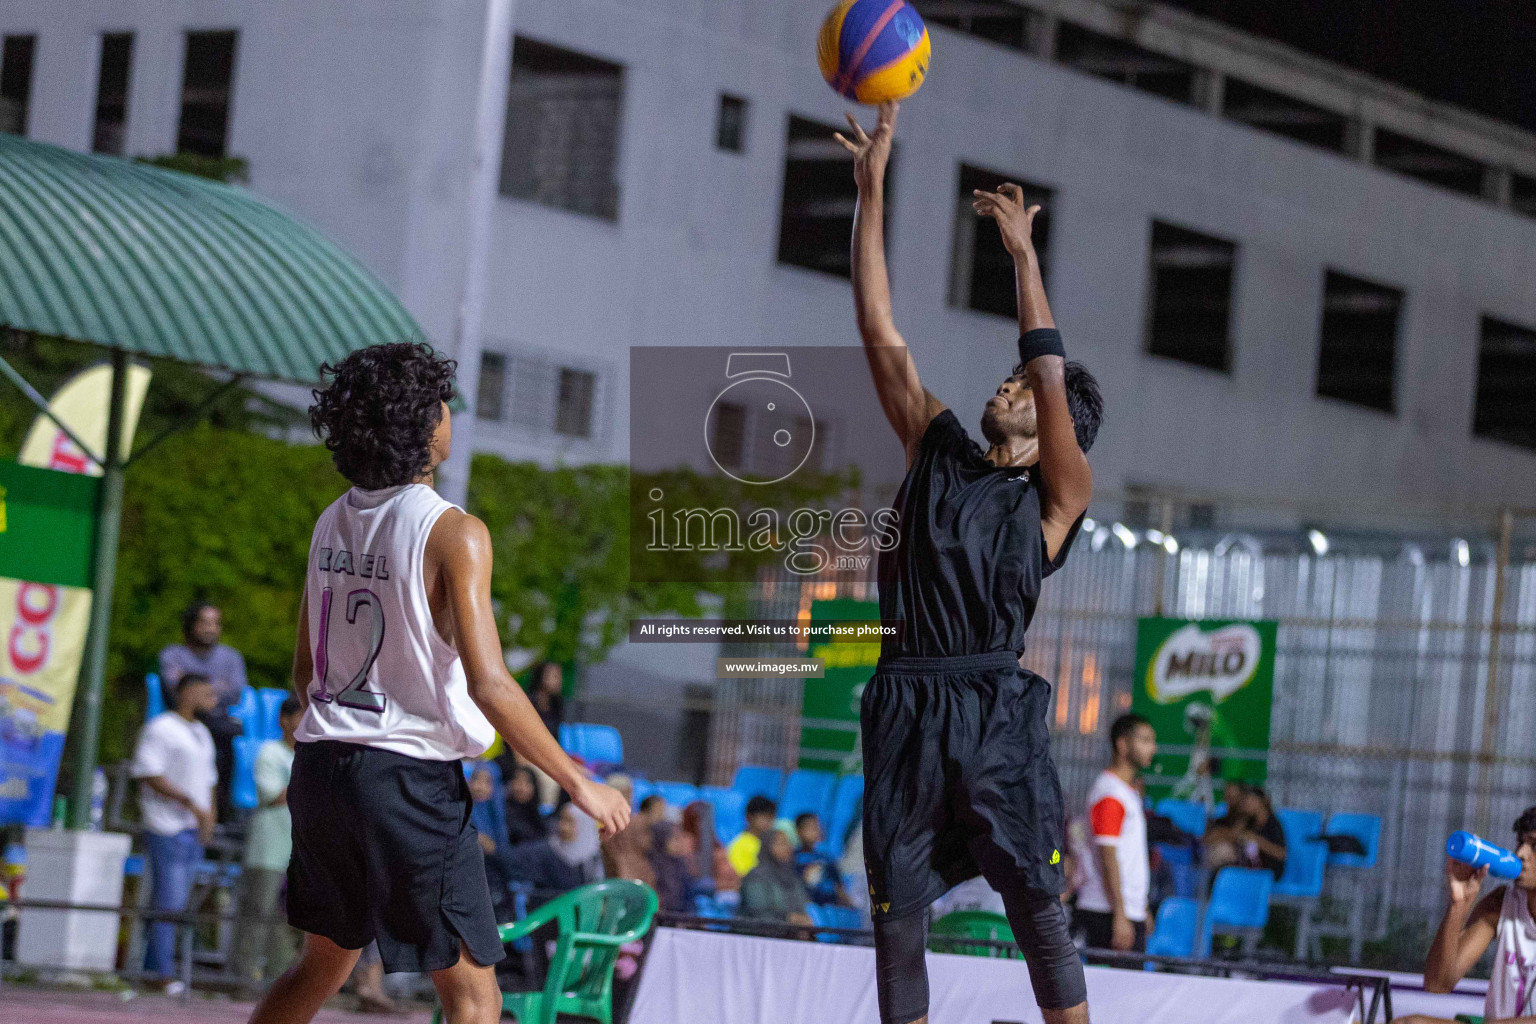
(606, 806)
(871, 153)
(1014, 219)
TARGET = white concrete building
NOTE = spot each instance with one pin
(642, 202)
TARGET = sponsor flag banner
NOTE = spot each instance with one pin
(1207, 687)
(829, 706)
(47, 539)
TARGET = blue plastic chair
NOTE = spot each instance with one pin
(1186, 815)
(567, 738)
(678, 794)
(1181, 868)
(807, 790)
(243, 788)
(1299, 826)
(758, 780)
(601, 745)
(730, 807)
(270, 699)
(247, 713)
(1239, 903)
(154, 693)
(1303, 876)
(1218, 812)
(833, 916)
(1178, 922)
(847, 805)
(1364, 827)
(642, 790)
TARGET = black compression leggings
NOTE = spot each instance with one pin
(1039, 923)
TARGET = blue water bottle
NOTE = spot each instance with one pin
(1469, 849)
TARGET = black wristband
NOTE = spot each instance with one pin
(1042, 341)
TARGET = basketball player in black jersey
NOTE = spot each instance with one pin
(958, 774)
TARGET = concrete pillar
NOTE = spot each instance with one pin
(1040, 32)
(1360, 140)
(1497, 185)
(1208, 90)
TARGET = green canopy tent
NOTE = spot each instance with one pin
(146, 261)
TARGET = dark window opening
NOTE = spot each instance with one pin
(207, 83)
(1190, 312)
(816, 216)
(731, 125)
(1428, 163)
(1119, 61)
(112, 93)
(1505, 409)
(573, 405)
(996, 21)
(1273, 112)
(564, 114)
(492, 386)
(16, 83)
(1357, 353)
(981, 269)
(1522, 194)
(728, 437)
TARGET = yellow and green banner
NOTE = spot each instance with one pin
(829, 706)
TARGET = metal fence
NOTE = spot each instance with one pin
(1405, 671)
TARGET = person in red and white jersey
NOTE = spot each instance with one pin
(1112, 904)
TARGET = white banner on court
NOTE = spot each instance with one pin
(694, 977)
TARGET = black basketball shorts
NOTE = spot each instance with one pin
(959, 780)
(383, 849)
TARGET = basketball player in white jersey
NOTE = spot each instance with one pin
(400, 671)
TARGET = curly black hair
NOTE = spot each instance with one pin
(1525, 823)
(1083, 399)
(378, 410)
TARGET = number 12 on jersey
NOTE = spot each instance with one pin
(356, 695)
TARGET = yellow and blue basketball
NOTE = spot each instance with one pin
(874, 50)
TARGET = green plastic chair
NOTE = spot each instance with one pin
(973, 924)
(595, 921)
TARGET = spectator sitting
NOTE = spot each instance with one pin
(627, 854)
(569, 858)
(488, 812)
(711, 860)
(817, 870)
(745, 848)
(674, 879)
(262, 948)
(772, 890)
(525, 820)
(201, 654)
(1249, 836)
(174, 763)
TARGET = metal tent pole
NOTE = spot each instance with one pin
(93, 665)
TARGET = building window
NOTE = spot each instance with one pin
(16, 83)
(564, 113)
(112, 93)
(207, 85)
(1427, 163)
(573, 407)
(1357, 354)
(1190, 312)
(728, 435)
(493, 384)
(1506, 384)
(731, 125)
(1119, 61)
(816, 215)
(981, 270)
(1274, 112)
(997, 21)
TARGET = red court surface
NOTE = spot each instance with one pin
(23, 1005)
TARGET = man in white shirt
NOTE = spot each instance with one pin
(174, 764)
(1112, 904)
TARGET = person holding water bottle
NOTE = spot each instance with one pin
(1506, 915)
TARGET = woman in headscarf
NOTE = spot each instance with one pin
(711, 860)
(525, 820)
(489, 817)
(773, 891)
(567, 859)
(674, 878)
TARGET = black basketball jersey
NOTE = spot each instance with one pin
(965, 575)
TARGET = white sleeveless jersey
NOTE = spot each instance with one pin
(1511, 984)
(383, 675)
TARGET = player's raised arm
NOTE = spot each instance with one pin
(907, 405)
(463, 550)
(1066, 481)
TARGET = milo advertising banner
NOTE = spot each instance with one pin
(1207, 687)
(829, 709)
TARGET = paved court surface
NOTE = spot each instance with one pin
(24, 1005)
